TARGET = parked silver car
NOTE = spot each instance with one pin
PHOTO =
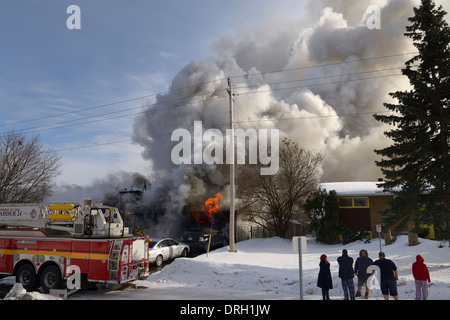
(163, 249)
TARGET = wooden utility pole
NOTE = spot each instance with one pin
(232, 169)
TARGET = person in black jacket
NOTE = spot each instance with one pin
(346, 274)
(324, 280)
(361, 264)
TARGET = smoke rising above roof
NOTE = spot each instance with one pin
(317, 79)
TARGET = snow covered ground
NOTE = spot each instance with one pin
(268, 269)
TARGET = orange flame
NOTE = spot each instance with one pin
(211, 206)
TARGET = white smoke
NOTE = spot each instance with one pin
(318, 80)
(333, 74)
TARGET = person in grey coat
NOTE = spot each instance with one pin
(346, 274)
(361, 264)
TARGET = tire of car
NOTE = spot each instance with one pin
(184, 253)
(159, 260)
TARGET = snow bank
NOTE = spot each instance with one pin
(268, 269)
(17, 292)
(264, 268)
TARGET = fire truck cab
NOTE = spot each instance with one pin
(44, 245)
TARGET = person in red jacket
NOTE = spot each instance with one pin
(421, 276)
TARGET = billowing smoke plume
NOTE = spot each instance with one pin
(318, 81)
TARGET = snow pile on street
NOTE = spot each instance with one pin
(17, 292)
(268, 269)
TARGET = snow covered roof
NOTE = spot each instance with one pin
(357, 188)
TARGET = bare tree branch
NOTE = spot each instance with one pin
(27, 169)
(274, 201)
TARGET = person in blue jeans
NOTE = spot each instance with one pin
(388, 276)
(346, 274)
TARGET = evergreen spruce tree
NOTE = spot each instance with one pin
(322, 209)
(416, 165)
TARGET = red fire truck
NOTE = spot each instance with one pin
(42, 245)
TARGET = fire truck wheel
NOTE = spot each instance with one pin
(26, 275)
(50, 278)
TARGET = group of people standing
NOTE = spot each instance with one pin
(388, 276)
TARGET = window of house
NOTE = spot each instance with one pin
(345, 202)
(353, 202)
(361, 202)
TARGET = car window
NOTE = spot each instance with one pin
(163, 244)
(172, 243)
(192, 234)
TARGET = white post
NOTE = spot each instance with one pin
(300, 266)
(379, 234)
(299, 246)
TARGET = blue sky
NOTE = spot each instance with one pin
(124, 50)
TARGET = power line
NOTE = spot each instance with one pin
(66, 123)
(318, 84)
(165, 103)
(76, 111)
(224, 125)
(323, 77)
(109, 104)
(258, 120)
(326, 65)
(203, 83)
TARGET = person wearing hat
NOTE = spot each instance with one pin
(421, 276)
(324, 279)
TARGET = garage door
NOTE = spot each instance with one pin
(355, 217)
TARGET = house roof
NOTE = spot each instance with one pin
(355, 188)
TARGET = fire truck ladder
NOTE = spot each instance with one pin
(59, 217)
(81, 220)
(114, 261)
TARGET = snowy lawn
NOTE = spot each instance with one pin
(268, 269)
